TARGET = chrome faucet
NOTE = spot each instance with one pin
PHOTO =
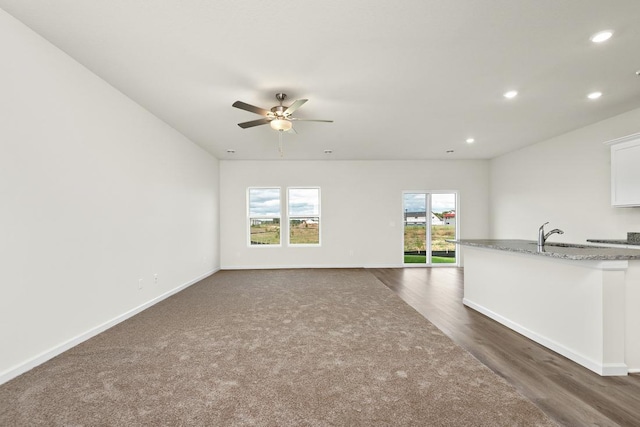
(542, 238)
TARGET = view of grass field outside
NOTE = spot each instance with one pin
(264, 216)
(304, 231)
(441, 220)
(265, 232)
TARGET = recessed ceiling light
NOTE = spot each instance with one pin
(470, 140)
(231, 151)
(511, 94)
(594, 95)
(328, 151)
(601, 36)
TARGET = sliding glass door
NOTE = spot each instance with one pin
(429, 221)
(443, 228)
(415, 228)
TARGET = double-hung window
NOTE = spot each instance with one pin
(304, 216)
(264, 216)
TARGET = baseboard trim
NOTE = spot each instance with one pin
(59, 349)
(603, 369)
(294, 267)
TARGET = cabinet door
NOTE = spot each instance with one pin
(625, 173)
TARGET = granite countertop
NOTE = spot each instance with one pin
(615, 242)
(554, 250)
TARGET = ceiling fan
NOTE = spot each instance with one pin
(278, 117)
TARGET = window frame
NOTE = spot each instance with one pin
(250, 218)
(293, 217)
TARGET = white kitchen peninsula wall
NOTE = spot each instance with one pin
(579, 301)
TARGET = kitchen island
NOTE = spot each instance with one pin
(578, 300)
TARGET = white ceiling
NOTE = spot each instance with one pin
(402, 79)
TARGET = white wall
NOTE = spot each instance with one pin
(565, 180)
(362, 214)
(95, 193)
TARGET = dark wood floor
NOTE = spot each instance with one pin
(567, 392)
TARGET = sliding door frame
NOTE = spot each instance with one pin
(428, 251)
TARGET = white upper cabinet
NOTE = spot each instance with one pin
(625, 170)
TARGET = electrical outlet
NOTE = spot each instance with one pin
(139, 283)
(155, 279)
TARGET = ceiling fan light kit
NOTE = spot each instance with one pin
(281, 124)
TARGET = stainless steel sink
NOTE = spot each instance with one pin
(567, 245)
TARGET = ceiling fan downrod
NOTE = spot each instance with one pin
(279, 110)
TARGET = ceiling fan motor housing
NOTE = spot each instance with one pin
(278, 110)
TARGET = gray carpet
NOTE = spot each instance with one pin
(269, 348)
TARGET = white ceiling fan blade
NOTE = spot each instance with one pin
(251, 108)
(293, 107)
(311, 120)
(253, 123)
